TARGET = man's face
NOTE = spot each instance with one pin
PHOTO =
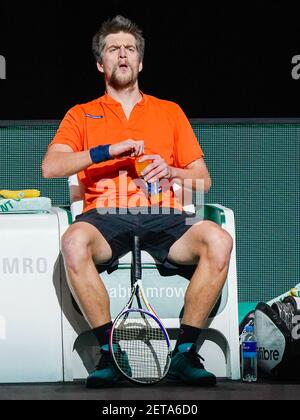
(120, 61)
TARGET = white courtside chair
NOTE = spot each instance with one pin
(220, 342)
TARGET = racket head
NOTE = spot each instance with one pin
(140, 347)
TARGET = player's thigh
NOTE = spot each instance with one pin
(84, 238)
(187, 250)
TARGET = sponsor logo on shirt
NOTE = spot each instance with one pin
(94, 117)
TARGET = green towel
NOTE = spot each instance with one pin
(25, 205)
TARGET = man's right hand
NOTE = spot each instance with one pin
(127, 148)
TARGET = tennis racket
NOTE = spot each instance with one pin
(139, 343)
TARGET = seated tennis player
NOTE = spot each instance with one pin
(102, 141)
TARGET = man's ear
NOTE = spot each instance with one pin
(100, 67)
(141, 66)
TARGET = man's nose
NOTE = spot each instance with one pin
(122, 52)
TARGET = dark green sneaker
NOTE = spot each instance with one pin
(106, 374)
(187, 367)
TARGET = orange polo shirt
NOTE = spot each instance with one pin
(162, 126)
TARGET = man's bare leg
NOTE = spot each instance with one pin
(82, 246)
(209, 246)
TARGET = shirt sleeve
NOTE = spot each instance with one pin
(71, 130)
(186, 146)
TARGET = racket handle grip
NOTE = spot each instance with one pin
(137, 258)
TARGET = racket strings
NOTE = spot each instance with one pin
(142, 347)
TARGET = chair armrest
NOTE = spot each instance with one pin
(225, 217)
(76, 209)
(215, 213)
(77, 190)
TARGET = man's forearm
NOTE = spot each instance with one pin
(65, 164)
(60, 164)
(193, 175)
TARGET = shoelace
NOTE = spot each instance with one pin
(194, 358)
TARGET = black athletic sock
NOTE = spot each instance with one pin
(103, 333)
(187, 334)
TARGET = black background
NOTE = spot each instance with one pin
(215, 60)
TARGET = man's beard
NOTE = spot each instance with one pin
(118, 81)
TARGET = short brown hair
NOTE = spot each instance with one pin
(113, 26)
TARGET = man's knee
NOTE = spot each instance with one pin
(218, 245)
(75, 249)
(220, 248)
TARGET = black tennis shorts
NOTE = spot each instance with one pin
(157, 233)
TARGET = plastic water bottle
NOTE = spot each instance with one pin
(154, 192)
(249, 356)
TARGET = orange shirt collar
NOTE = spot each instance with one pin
(108, 100)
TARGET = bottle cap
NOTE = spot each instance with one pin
(249, 328)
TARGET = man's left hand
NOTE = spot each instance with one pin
(156, 170)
